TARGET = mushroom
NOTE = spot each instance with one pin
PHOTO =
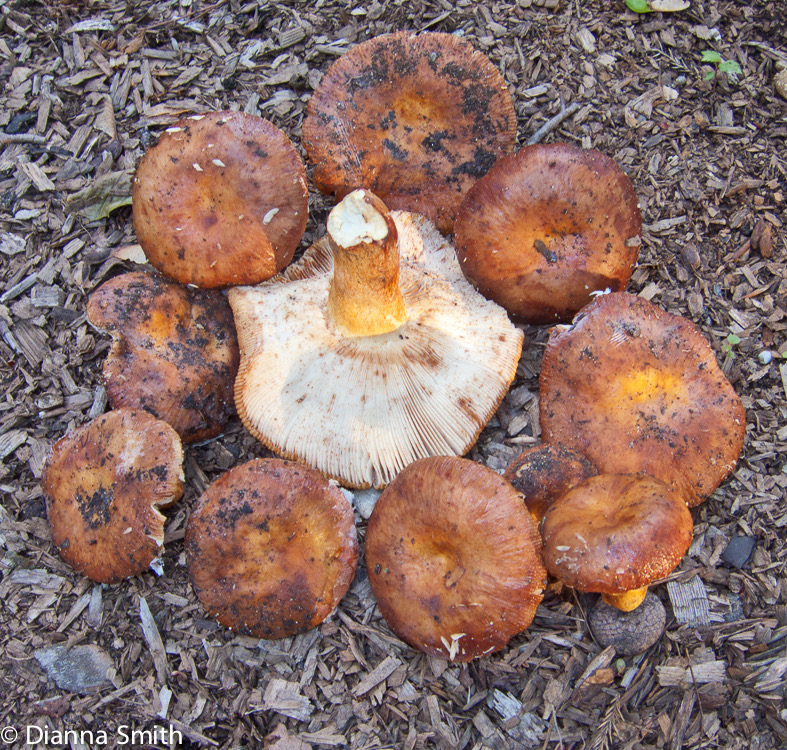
(416, 118)
(104, 483)
(631, 632)
(174, 351)
(615, 534)
(634, 388)
(453, 558)
(544, 472)
(373, 351)
(271, 548)
(221, 199)
(548, 227)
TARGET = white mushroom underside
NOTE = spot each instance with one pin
(361, 409)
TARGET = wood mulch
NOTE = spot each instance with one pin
(88, 86)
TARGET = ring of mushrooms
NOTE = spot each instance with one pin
(174, 351)
(104, 484)
(453, 558)
(416, 118)
(548, 227)
(634, 388)
(271, 548)
(373, 351)
(221, 199)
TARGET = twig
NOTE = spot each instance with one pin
(552, 123)
(6, 138)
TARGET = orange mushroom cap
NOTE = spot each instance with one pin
(634, 388)
(614, 533)
(416, 118)
(104, 483)
(547, 227)
(221, 199)
(174, 351)
(453, 558)
(271, 548)
(545, 472)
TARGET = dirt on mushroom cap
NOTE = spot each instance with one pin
(613, 533)
(417, 118)
(271, 548)
(548, 227)
(174, 351)
(453, 558)
(635, 388)
(221, 199)
(103, 485)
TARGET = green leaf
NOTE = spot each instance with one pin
(731, 68)
(710, 75)
(639, 6)
(711, 56)
(733, 339)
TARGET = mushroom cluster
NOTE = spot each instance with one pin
(378, 357)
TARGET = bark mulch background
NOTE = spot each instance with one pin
(88, 86)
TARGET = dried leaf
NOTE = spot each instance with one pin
(99, 199)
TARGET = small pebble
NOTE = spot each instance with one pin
(738, 550)
(765, 357)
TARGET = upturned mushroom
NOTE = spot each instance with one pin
(548, 227)
(373, 351)
(174, 351)
(271, 548)
(104, 484)
(221, 199)
(416, 118)
(634, 388)
(453, 558)
(615, 534)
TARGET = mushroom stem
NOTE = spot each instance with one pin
(364, 299)
(628, 600)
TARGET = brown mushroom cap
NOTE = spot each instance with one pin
(634, 388)
(545, 472)
(417, 118)
(103, 485)
(271, 548)
(453, 558)
(547, 227)
(174, 351)
(614, 533)
(359, 408)
(221, 199)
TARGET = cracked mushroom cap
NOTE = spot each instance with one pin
(271, 548)
(416, 118)
(634, 388)
(315, 386)
(547, 227)
(453, 558)
(174, 351)
(615, 534)
(104, 483)
(221, 199)
(544, 473)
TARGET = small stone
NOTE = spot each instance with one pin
(364, 501)
(81, 669)
(780, 83)
(738, 550)
(629, 632)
